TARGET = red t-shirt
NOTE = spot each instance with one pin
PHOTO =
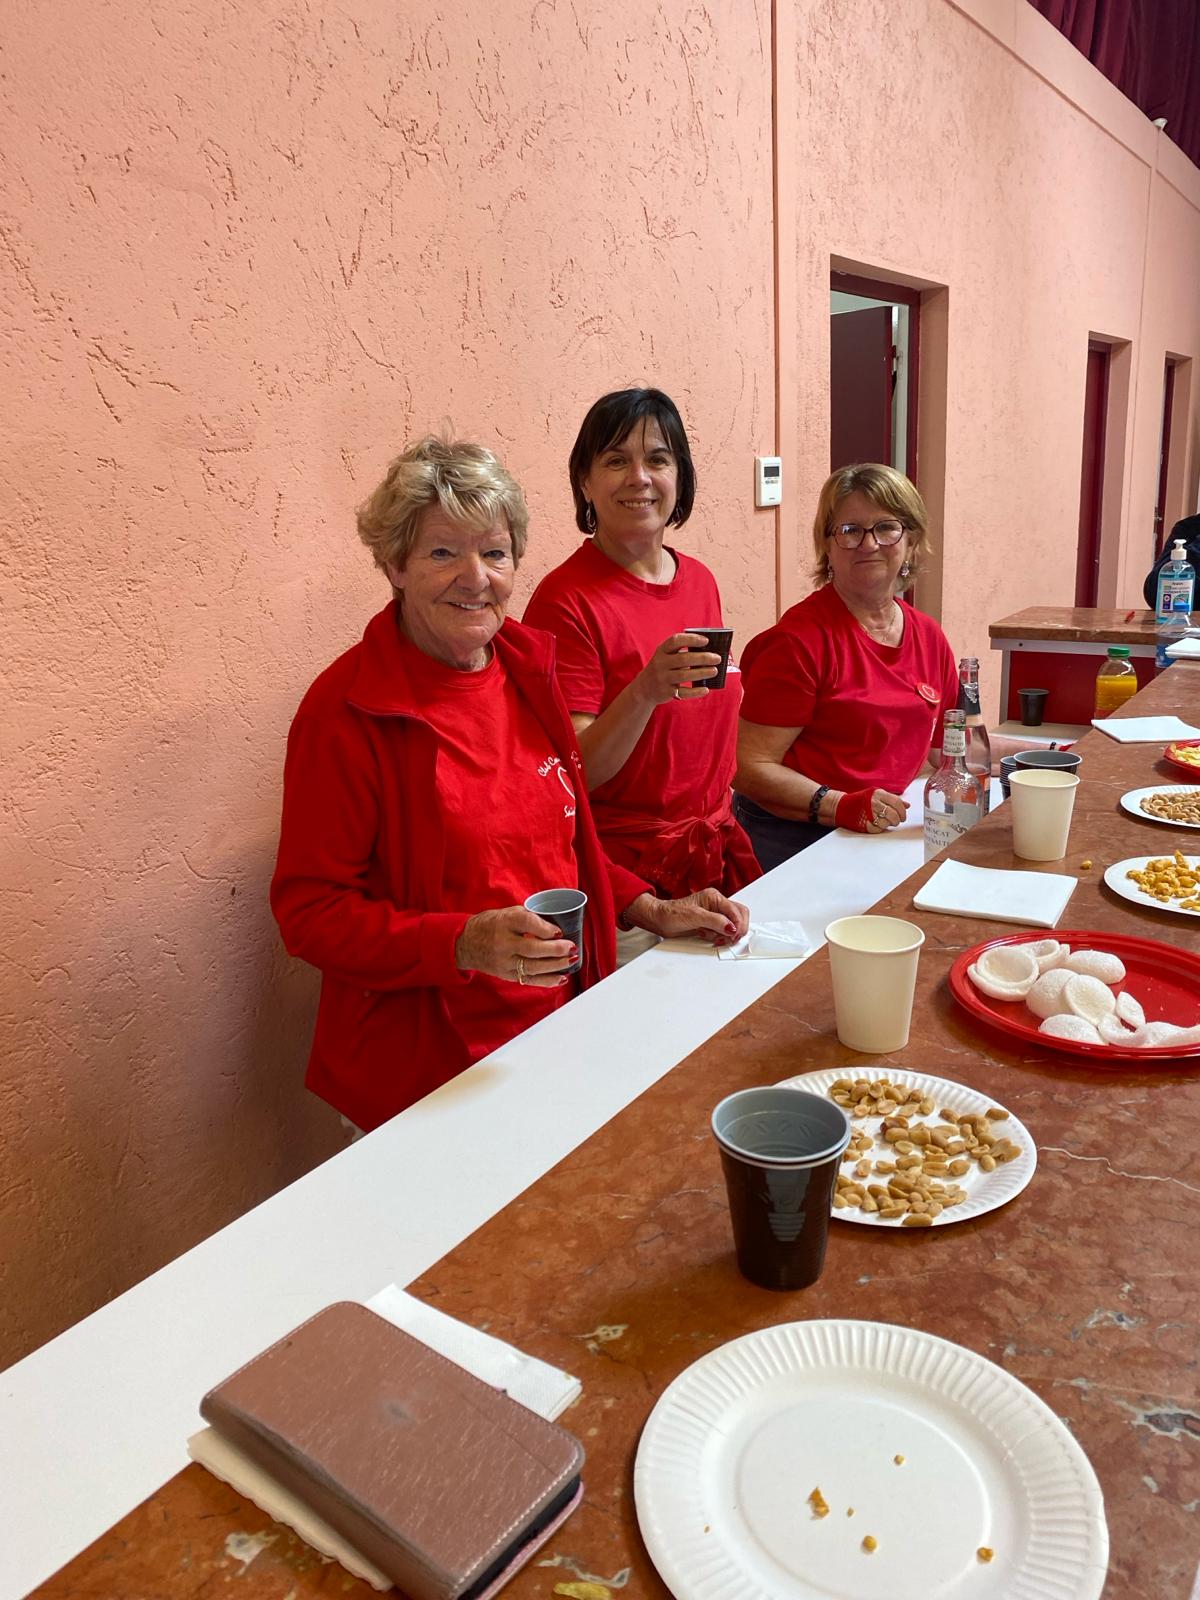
(607, 625)
(508, 806)
(868, 712)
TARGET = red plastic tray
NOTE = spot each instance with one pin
(1164, 978)
(1183, 766)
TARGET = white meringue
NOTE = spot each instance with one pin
(1070, 1027)
(1097, 964)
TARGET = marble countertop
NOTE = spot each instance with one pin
(1077, 623)
(617, 1265)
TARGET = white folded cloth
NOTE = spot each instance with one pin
(533, 1383)
(1187, 649)
(769, 941)
(1145, 730)
(1035, 898)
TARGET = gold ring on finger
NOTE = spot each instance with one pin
(520, 969)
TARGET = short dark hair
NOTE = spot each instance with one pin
(607, 423)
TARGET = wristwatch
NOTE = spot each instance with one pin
(814, 805)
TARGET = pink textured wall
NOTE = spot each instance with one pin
(930, 148)
(248, 252)
(244, 253)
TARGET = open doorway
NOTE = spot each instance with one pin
(874, 332)
(1091, 482)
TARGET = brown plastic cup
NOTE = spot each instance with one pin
(720, 641)
(565, 909)
(780, 1152)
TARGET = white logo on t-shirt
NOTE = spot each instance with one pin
(553, 764)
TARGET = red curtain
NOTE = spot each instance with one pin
(1150, 49)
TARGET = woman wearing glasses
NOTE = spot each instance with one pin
(843, 697)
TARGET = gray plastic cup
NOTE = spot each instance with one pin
(1047, 760)
(780, 1152)
(565, 909)
(1033, 706)
(720, 641)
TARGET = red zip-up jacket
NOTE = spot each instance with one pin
(357, 882)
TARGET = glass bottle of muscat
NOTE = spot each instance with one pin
(952, 795)
(979, 746)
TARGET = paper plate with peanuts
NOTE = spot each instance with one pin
(844, 1460)
(1106, 998)
(1177, 804)
(924, 1152)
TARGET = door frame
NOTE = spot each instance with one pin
(898, 294)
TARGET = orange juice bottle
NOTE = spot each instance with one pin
(1116, 681)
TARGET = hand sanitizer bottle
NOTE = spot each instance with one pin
(1174, 602)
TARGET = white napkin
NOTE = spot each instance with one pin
(532, 1383)
(1037, 899)
(1145, 730)
(1185, 650)
(769, 941)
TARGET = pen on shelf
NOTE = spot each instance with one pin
(1129, 616)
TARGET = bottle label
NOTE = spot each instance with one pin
(941, 829)
(954, 742)
(1174, 594)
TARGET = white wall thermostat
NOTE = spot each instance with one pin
(768, 480)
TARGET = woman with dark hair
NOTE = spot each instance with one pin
(658, 746)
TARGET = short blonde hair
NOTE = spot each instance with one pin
(891, 491)
(466, 481)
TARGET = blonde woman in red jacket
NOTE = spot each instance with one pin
(433, 783)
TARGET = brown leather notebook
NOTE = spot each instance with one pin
(442, 1482)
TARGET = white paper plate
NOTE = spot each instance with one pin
(1116, 880)
(736, 1444)
(1132, 802)
(985, 1190)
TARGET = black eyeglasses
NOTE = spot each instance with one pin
(850, 535)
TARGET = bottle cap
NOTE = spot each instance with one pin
(1179, 551)
(1120, 651)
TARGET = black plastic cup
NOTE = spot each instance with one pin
(720, 640)
(1033, 706)
(1047, 760)
(565, 909)
(780, 1152)
(1008, 765)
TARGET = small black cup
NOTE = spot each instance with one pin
(1047, 760)
(780, 1151)
(719, 643)
(565, 909)
(1033, 706)
(1008, 765)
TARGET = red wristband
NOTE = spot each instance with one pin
(854, 810)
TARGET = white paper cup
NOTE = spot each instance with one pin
(874, 966)
(1042, 803)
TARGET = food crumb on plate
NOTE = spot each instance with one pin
(985, 1553)
(818, 1503)
(870, 1544)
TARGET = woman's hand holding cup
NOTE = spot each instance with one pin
(677, 669)
(516, 945)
